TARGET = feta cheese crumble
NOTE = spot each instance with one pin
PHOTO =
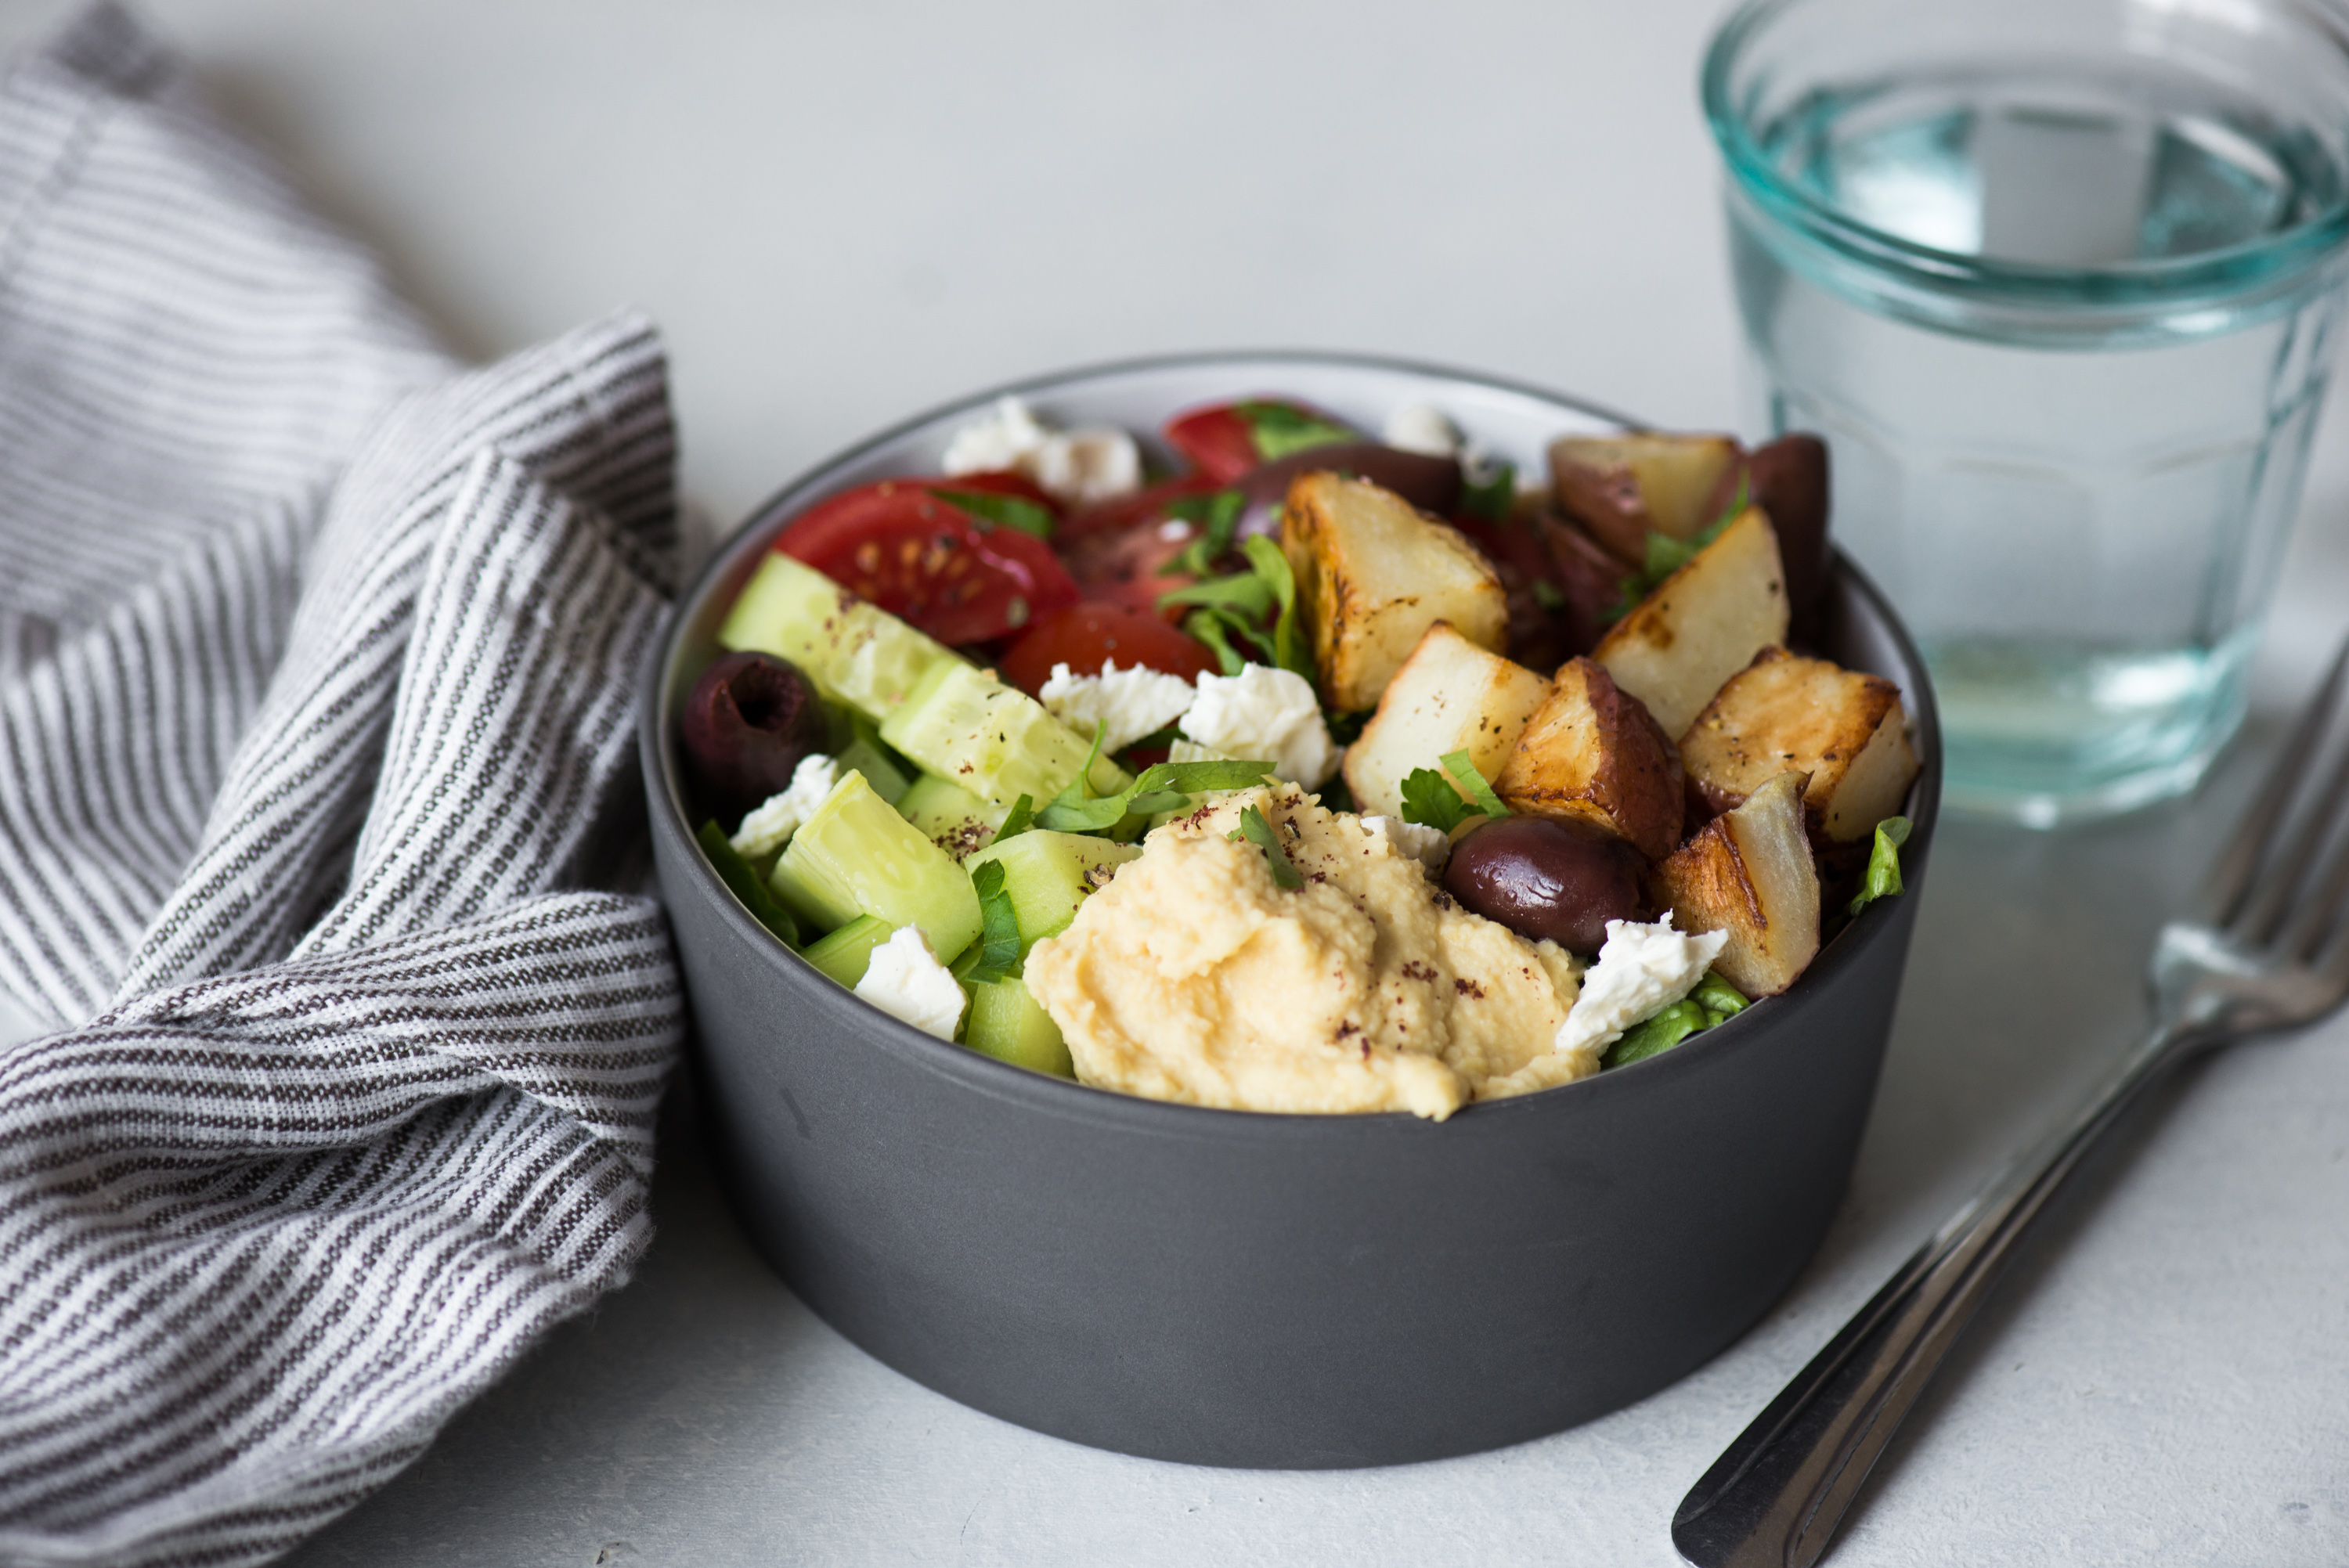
(1266, 712)
(1641, 970)
(1422, 427)
(906, 982)
(1130, 703)
(1431, 847)
(1076, 468)
(769, 827)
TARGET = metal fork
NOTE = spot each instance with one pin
(2265, 946)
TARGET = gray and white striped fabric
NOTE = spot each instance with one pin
(316, 665)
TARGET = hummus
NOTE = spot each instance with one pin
(1194, 976)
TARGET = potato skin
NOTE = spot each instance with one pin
(1592, 752)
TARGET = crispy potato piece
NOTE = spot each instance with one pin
(1619, 487)
(1373, 574)
(1450, 696)
(1749, 873)
(1592, 751)
(1783, 711)
(1703, 625)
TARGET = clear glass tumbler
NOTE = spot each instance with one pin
(2058, 281)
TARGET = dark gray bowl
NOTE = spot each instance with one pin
(1274, 1291)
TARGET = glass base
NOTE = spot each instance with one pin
(2043, 735)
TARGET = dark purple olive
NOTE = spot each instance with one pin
(1789, 480)
(1431, 484)
(1563, 881)
(749, 720)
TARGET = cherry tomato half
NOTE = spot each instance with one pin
(1084, 637)
(929, 563)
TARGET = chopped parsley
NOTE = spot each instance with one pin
(1238, 606)
(998, 947)
(1883, 878)
(1429, 799)
(1163, 786)
(1278, 429)
(1464, 773)
(1667, 555)
(1218, 515)
(1258, 831)
(1022, 817)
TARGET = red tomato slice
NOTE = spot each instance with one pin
(929, 564)
(1147, 505)
(1084, 637)
(1225, 440)
(1121, 568)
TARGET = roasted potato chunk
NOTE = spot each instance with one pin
(1450, 696)
(1785, 712)
(1749, 873)
(1787, 478)
(1591, 752)
(1619, 487)
(1373, 574)
(1703, 625)
(1591, 580)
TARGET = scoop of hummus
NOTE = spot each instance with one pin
(1194, 976)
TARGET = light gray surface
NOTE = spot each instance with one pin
(842, 214)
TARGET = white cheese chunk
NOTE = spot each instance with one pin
(1431, 847)
(1422, 427)
(1129, 704)
(1076, 468)
(1641, 970)
(904, 980)
(767, 828)
(1265, 712)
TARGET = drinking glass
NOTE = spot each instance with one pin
(2058, 282)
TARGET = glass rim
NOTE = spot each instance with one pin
(2247, 268)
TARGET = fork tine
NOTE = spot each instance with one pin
(2300, 864)
(2230, 879)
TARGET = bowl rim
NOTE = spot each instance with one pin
(1059, 1096)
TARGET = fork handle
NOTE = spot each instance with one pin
(1775, 1497)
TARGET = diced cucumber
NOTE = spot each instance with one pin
(1047, 875)
(864, 656)
(888, 780)
(1009, 1024)
(843, 954)
(742, 880)
(995, 741)
(948, 815)
(857, 856)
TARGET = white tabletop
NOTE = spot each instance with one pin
(841, 214)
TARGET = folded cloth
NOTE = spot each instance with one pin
(316, 662)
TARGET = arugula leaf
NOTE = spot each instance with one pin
(1883, 879)
(1243, 592)
(744, 884)
(999, 932)
(1208, 627)
(1429, 799)
(1021, 817)
(1278, 429)
(1667, 555)
(1659, 1033)
(1463, 772)
(1258, 831)
(1718, 998)
(996, 510)
(1218, 515)
(1163, 786)
(1491, 496)
(1289, 650)
(1084, 782)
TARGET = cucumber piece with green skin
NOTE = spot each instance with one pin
(855, 653)
(743, 880)
(948, 815)
(843, 954)
(865, 757)
(857, 856)
(1047, 875)
(995, 741)
(1009, 1024)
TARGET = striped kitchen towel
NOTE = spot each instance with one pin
(316, 660)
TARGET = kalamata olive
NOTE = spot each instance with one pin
(1789, 480)
(1540, 878)
(748, 722)
(1432, 484)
